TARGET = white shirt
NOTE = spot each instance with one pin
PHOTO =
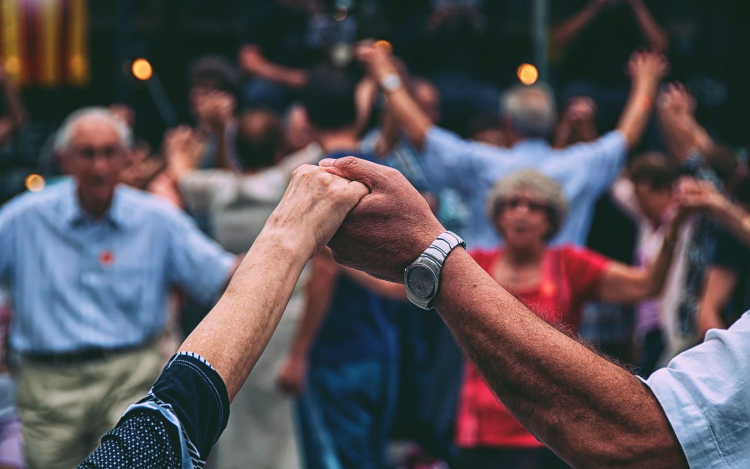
(705, 394)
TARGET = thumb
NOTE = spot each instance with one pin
(357, 190)
(355, 169)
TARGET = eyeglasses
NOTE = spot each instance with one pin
(89, 153)
(531, 205)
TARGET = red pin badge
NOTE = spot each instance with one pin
(106, 258)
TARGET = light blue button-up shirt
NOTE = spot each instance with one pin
(79, 283)
(584, 170)
(705, 393)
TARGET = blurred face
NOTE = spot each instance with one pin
(653, 202)
(199, 92)
(522, 220)
(95, 157)
(428, 99)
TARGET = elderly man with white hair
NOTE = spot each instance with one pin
(584, 170)
(90, 264)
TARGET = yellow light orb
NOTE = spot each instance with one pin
(528, 74)
(384, 46)
(13, 65)
(35, 182)
(142, 69)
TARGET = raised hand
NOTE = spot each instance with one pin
(377, 60)
(676, 99)
(647, 67)
(216, 109)
(389, 228)
(183, 147)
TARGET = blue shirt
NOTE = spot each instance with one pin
(705, 394)
(359, 324)
(80, 283)
(584, 171)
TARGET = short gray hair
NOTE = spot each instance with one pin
(530, 110)
(65, 132)
(548, 190)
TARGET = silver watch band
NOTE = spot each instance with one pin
(442, 246)
(432, 259)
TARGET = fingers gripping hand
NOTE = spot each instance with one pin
(389, 228)
(313, 207)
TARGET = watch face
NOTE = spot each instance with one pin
(421, 281)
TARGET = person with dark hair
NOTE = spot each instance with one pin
(646, 196)
(342, 364)
(213, 86)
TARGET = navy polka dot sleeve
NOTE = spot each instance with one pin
(174, 426)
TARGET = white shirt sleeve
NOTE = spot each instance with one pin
(705, 394)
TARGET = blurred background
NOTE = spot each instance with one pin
(68, 53)
(217, 94)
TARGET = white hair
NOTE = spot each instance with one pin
(65, 132)
(530, 110)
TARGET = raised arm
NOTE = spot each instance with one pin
(237, 329)
(656, 36)
(590, 411)
(702, 196)
(412, 120)
(646, 70)
(682, 132)
(569, 29)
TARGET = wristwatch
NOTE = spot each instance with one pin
(422, 277)
(390, 82)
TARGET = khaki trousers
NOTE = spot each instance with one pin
(65, 409)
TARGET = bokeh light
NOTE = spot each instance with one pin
(13, 65)
(142, 69)
(528, 74)
(384, 46)
(35, 182)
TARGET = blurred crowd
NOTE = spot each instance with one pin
(599, 199)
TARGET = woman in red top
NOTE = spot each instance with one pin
(528, 208)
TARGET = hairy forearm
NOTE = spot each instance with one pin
(589, 411)
(637, 110)
(236, 331)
